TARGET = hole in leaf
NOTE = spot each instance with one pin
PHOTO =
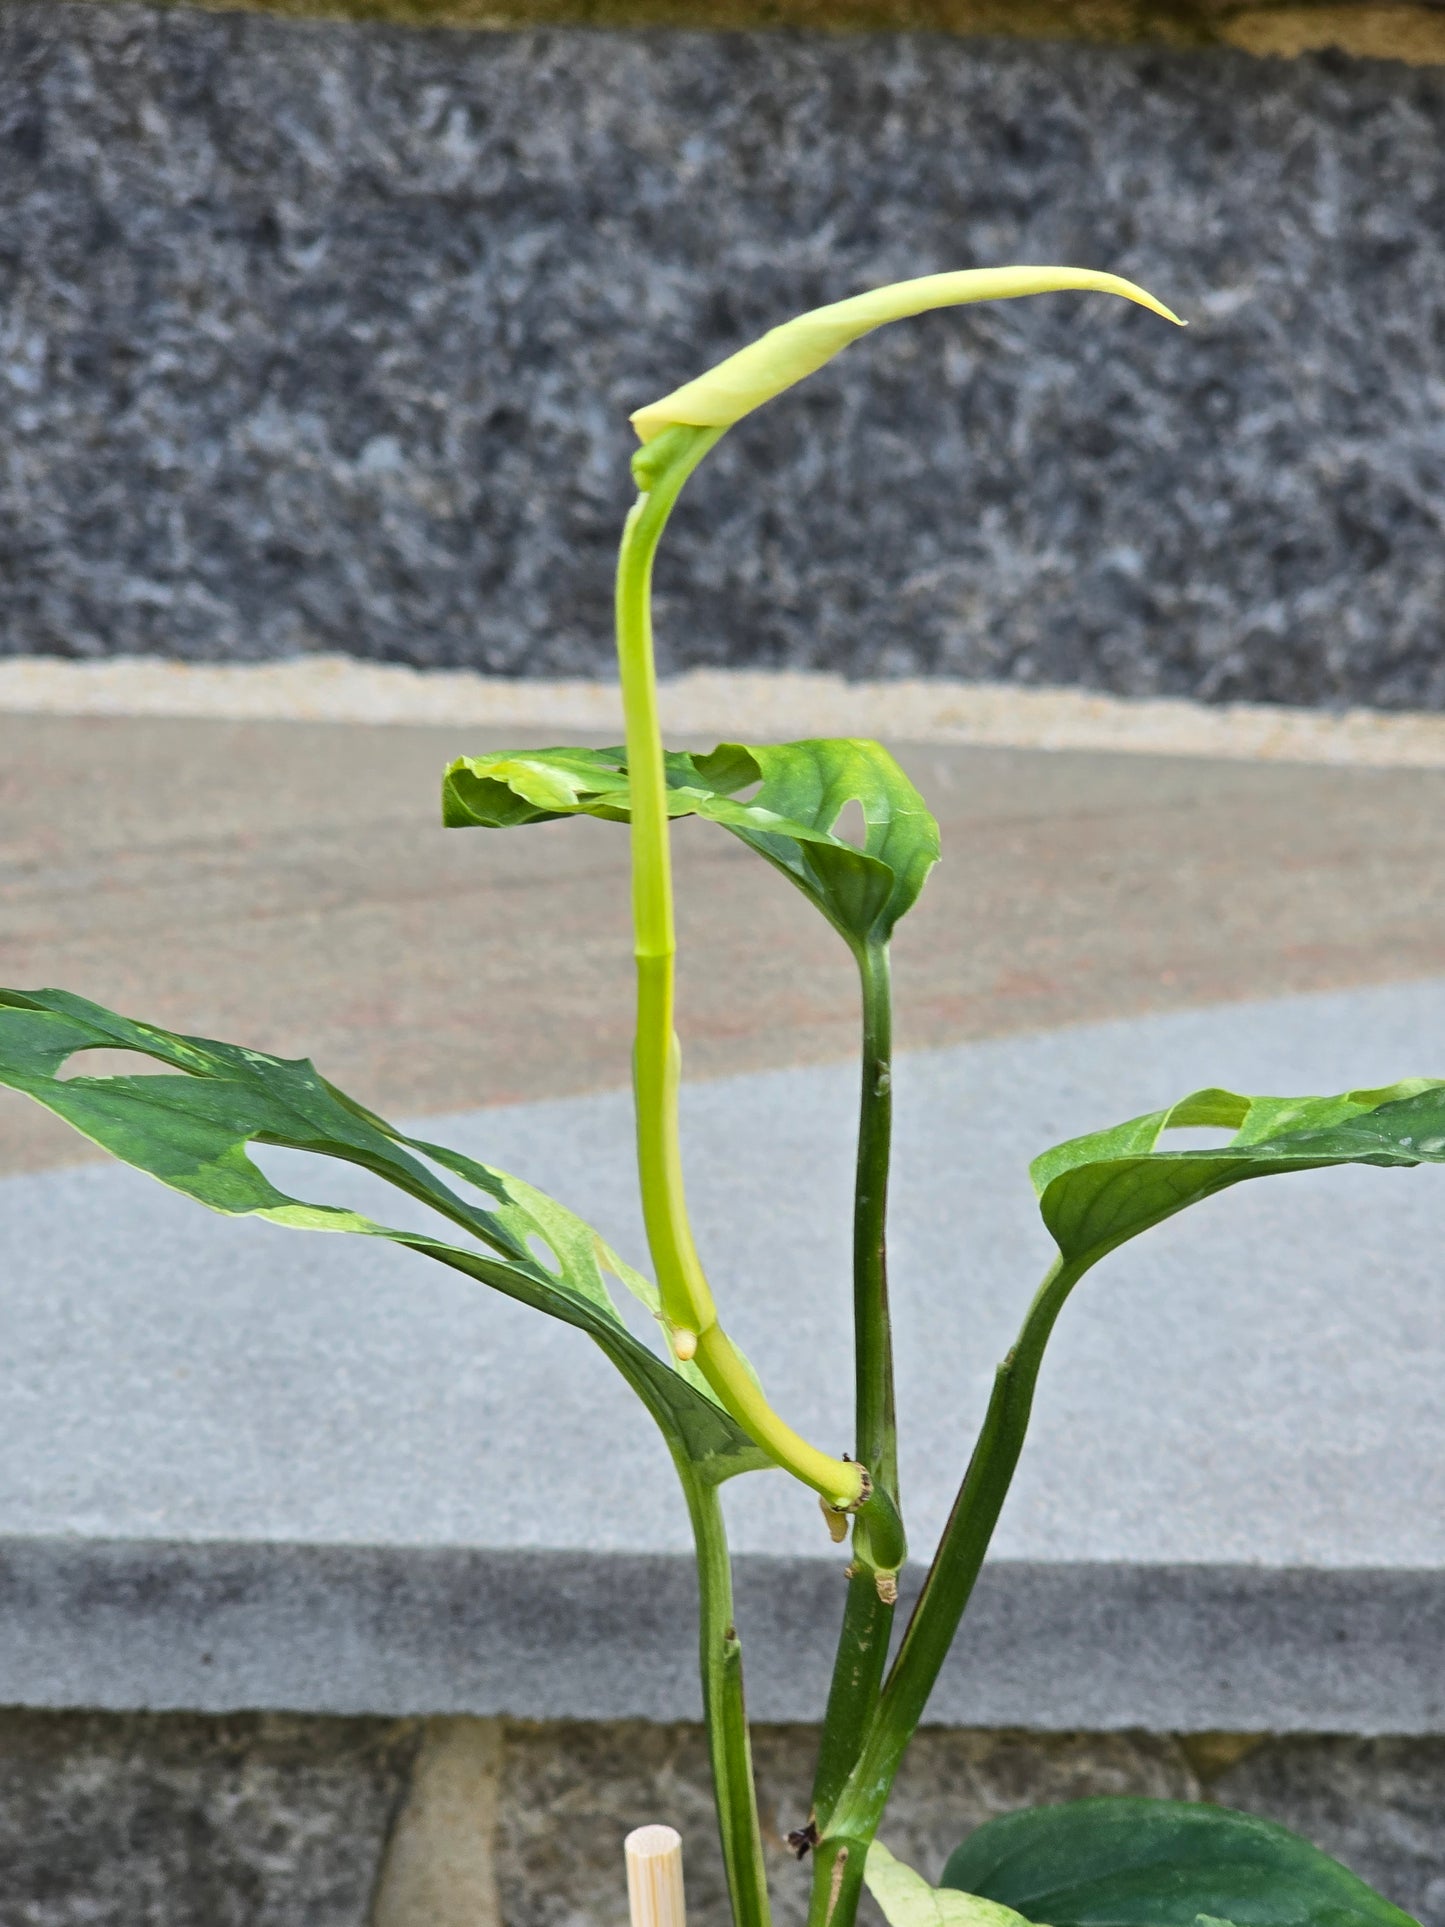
(104, 1061)
(748, 791)
(544, 1254)
(645, 1327)
(1197, 1137)
(312, 1177)
(851, 825)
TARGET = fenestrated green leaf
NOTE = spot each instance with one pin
(803, 789)
(1160, 1863)
(907, 1900)
(1096, 1192)
(191, 1130)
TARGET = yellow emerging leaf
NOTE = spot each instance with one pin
(786, 354)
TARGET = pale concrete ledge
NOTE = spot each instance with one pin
(247, 1468)
(761, 705)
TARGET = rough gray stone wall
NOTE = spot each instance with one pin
(180, 1821)
(323, 337)
(571, 1791)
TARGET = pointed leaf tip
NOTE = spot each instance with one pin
(796, 349)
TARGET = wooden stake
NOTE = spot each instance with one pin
(654, 1877)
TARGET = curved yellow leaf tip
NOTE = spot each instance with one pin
(787, 354)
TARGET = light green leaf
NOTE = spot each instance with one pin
(191, 1130)
(907, 1900)
(800, 791)
(1097, 1192)
(786, 354)
(1161, 1863)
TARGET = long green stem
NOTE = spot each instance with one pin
(868, 1610)
(837, 1882)
(853, 1691)
(877, 1423)
(940, 1607)
(687, 1301)
(721, 1657)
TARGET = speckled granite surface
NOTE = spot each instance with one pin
(319, 336)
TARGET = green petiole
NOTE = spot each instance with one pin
(661, 469)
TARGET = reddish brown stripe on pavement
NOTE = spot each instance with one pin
(288, 885)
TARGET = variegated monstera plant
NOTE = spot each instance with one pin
(1092, 1863)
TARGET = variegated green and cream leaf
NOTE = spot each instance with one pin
(783, 800)
(191, 1126)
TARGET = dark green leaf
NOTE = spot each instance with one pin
(802, 790)
(1160, 1863)
(1096, 1192)
(191, 1130)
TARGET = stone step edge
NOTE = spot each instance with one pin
(157, 1625)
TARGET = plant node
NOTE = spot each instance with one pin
(865, 1490)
